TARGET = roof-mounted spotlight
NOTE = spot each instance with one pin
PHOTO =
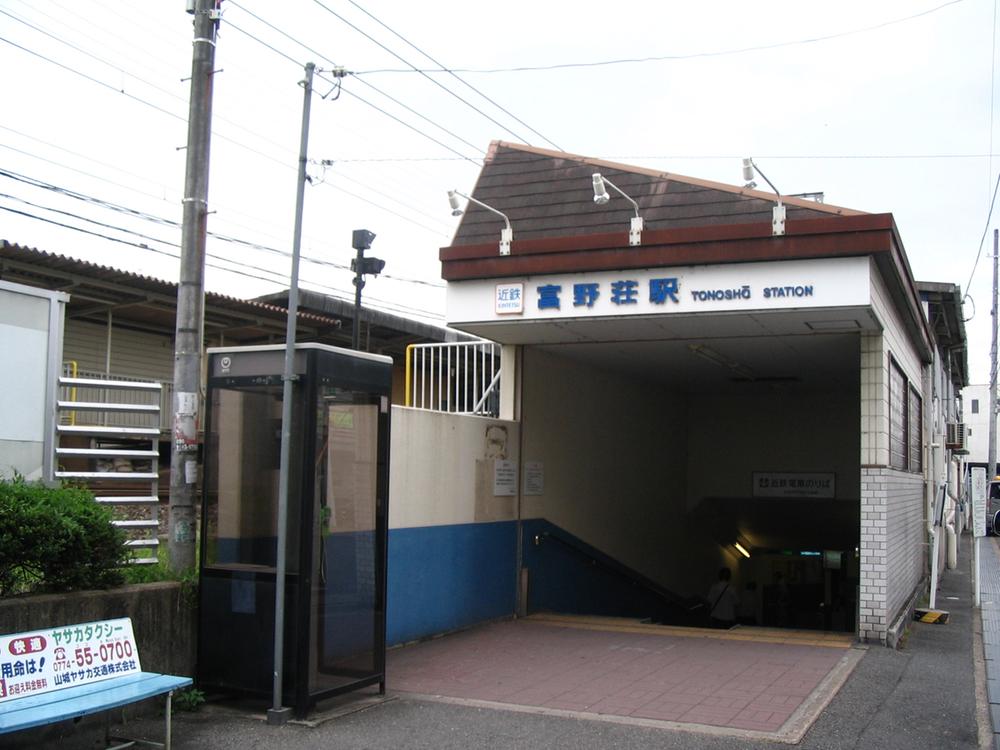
(778, 213)
(506, 234)
(601, 197)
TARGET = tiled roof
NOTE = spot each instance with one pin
(549, 193)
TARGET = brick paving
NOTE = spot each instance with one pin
(623, 669)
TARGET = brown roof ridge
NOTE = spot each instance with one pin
(710, 184)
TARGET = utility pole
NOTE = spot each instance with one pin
(191, 291)
(991, 451)
(278, 714)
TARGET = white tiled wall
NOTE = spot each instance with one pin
(892, 547)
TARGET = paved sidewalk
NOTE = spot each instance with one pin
(751, 682)
(923, 695)
(989, 566)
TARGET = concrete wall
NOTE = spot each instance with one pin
(615, 465)
(163, 619)
(452, 541)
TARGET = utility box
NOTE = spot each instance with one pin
(31, 338)
(338, 493)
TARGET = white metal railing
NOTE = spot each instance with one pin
(94, 393)
(108, 433)
(460, 378)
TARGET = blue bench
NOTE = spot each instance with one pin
(75, 701)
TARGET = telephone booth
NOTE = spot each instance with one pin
(335, 584)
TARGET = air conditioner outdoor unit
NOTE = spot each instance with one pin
(955, 437)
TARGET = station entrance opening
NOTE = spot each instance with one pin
(671, 449)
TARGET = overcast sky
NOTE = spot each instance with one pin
(885, 107)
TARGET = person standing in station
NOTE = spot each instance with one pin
(722, 601)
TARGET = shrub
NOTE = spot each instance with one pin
(56, 539)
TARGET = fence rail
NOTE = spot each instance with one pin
(108, 432)
(83, 386)
(460, 378)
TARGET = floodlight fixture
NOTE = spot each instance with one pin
(778, 213)
(601, 197)
(506, 234)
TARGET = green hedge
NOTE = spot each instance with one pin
(56, 539)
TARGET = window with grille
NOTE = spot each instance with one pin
(898, 417)
(915, 419)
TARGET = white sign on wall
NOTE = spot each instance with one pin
(732, 287)
(978, 488)
(509, 299)
(794, 484)
(504, 478)
(534, 478)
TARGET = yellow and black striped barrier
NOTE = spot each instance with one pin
(930, 615)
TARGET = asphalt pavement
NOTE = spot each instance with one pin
(931, 692)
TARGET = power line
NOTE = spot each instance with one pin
(366, 83)
(288, 57)
(99, 82)
(142, 215)
(455, 75)
(464, 101)
(982, 239)
(384, 304)
(662, 58)
(92, 56)
(255, 151)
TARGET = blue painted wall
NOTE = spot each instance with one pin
(446, 577)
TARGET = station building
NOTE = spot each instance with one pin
(716, 385)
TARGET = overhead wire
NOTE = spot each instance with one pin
(280, 281)
(145, 216)
(662, 58)
(982, 239)
(285, 164)
(90, 78)
(319, 75)
(147, 194)
(444, 88)
(91, 55)
(455, 75)
(366, 83)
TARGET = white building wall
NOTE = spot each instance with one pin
(977, 422)
(893, 527)
(442, 468)
(892, 547)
